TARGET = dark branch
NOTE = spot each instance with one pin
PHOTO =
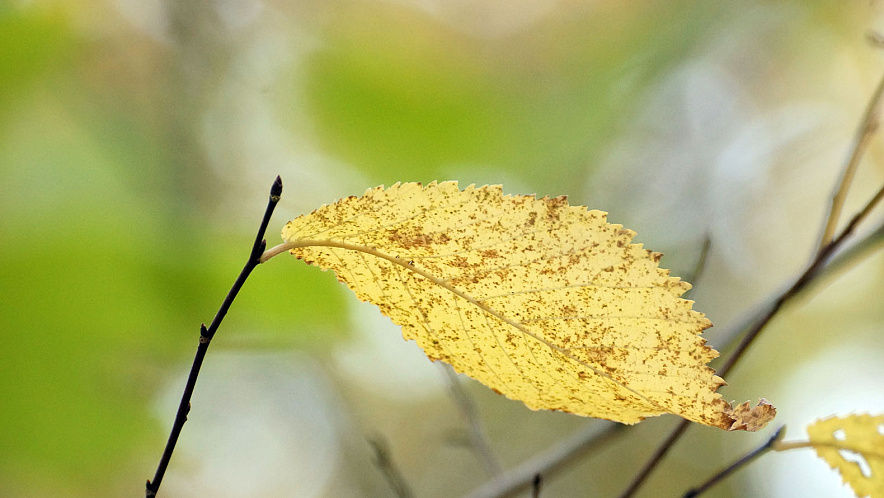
(730, 469)
(868, 126)
(205, 338)
(820, 261)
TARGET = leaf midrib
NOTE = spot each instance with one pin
(304, 243)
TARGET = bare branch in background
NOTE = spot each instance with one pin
(702, 259)
(391, 473)
(478, 436)
(868, 126)
(815, 268)
(586, 441)
(813, 271)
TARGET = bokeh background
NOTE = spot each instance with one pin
(139, 138)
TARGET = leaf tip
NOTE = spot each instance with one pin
(749, 419)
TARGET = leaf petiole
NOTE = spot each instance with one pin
(276, 251)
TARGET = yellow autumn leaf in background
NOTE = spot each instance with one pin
(541, 301)
(861, 437)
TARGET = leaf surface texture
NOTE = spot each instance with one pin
(541, 301)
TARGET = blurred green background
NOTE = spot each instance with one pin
(139, 139)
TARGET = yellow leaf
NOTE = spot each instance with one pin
(541, 301)
(860, 438)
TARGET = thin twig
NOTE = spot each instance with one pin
(206, 334)
(801, 282)
(656, 458)
(591, 438)
(867, 128)
(819, 262)
(763, 317)
(810, 274)
(844, 259)
(702, 259)
(391, 473)
(850, 256)
(478, 436)
(730, 469)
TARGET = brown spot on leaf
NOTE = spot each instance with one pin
(532, 218)
(460, 262)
